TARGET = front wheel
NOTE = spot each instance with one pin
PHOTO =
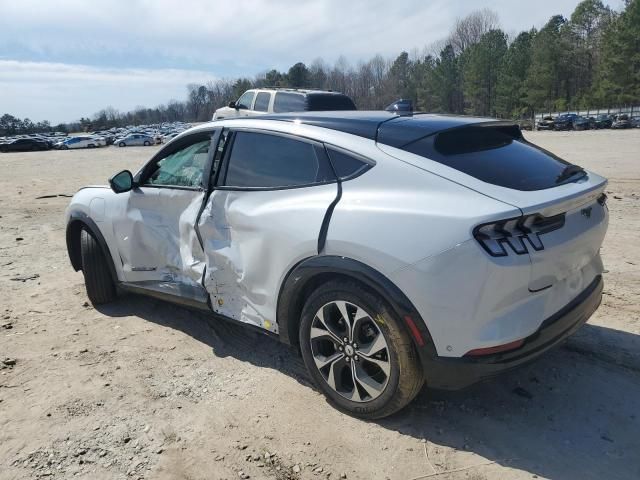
(97, 278)
(146, 144)
(357, 352)
(122, 144)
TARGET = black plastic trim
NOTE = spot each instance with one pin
(456, 373)
(291, 298)
(177, 299)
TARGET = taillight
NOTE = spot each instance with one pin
(516, 234)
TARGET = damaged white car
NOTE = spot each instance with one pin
(393, 250)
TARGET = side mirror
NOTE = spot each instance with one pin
(121, 182)
(233, 105)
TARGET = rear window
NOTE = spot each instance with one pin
(496, 155)
(319, 102)
(289, 102)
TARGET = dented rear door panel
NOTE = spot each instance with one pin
(252, 239)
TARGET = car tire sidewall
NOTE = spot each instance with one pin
(384, 320)
(122, 144)
(146, 144)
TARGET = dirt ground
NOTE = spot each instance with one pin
(144, 389)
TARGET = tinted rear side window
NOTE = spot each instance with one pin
(270, 161)
(262, 102)
(289, 102)
(496, 155)
(345, 165)
(319, 101)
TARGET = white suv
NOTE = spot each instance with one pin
(283, 100)
(391, 250)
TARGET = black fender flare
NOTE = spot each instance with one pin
(80, 220)
(307, 275)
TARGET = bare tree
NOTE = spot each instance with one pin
(469, 30)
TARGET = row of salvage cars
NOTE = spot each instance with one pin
(145, 135)
(573, 121)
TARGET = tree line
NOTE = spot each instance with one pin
(589, 60)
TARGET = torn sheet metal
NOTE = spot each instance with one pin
(252, 239)
(157, 240)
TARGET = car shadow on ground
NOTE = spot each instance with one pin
(569, 415)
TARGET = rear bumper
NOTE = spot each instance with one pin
(456, 373)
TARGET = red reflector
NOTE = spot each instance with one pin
(500, 348)
(414, 330)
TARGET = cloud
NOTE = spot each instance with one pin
(63, 92)
(239, 37)
(71, 58)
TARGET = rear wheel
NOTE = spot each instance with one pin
(357, 352)
(97, 279)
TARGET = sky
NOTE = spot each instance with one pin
(64, 59)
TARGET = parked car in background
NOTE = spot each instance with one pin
(135, 139)
(261, 101)
(622, 121)
(168, 136)
(547, 123)
(107, 136)
(635, 122)
(526, 124)
(82, 141)
(25, 145)
(564, 121)
(581, 123)
(392, 250)
(603, 121)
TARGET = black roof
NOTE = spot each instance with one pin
(380, 126)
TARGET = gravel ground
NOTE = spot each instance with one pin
(144, 389)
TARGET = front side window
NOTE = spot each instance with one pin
(261, 160)
(289, 102)
(183, 168)
(245, 100)
(262, 102)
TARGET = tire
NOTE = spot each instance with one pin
(97, 279)
(122, 144)
(65, 147)
(384, 393)
(146, 144)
